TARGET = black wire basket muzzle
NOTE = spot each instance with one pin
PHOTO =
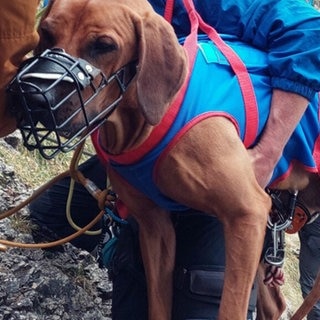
(53, 89)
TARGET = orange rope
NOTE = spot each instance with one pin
(99, 195)
(6, 243)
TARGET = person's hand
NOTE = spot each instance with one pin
(286, 111)
(263, 165)
(274, 276)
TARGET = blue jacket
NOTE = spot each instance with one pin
(288, 30)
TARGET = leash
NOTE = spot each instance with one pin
(36, 194)
(103, 197)
(310, 300)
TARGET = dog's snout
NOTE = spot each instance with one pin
(51, 95)
(30, 97)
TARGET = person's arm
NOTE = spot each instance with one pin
(17, 38)
(286, 110)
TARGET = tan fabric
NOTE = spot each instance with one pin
(17, 38)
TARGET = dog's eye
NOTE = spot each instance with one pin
(102, 46)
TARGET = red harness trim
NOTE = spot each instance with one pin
(289, 170)
(156, 135)
(185, 129)
(190, 45)
(240, 70)
(316, 152)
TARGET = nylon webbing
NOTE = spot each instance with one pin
(168, 10)
(238, 67)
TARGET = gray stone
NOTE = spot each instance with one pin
(46, 285)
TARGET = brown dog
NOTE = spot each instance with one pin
(208, 169)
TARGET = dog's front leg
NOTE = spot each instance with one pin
(157, 245)
(212, 169)
(244, 237)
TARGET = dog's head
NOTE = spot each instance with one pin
(118, 37)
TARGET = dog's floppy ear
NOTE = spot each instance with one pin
(162, 66)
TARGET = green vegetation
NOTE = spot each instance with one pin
(32, 169)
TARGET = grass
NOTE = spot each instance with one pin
(21, 224)
(32, 169)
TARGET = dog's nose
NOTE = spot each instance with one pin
(33, 104)
(39, 86)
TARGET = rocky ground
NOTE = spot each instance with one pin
(45, 285)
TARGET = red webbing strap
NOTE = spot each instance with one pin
(316, 150)
(168, 10)
(190, 45)
(191, 41)
(240, 70)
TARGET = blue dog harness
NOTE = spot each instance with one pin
(213, 89)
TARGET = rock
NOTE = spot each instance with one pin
(64, 284)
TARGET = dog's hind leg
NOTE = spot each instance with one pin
(157, 245)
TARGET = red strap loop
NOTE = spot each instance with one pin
(238, 67)
(168, 10)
